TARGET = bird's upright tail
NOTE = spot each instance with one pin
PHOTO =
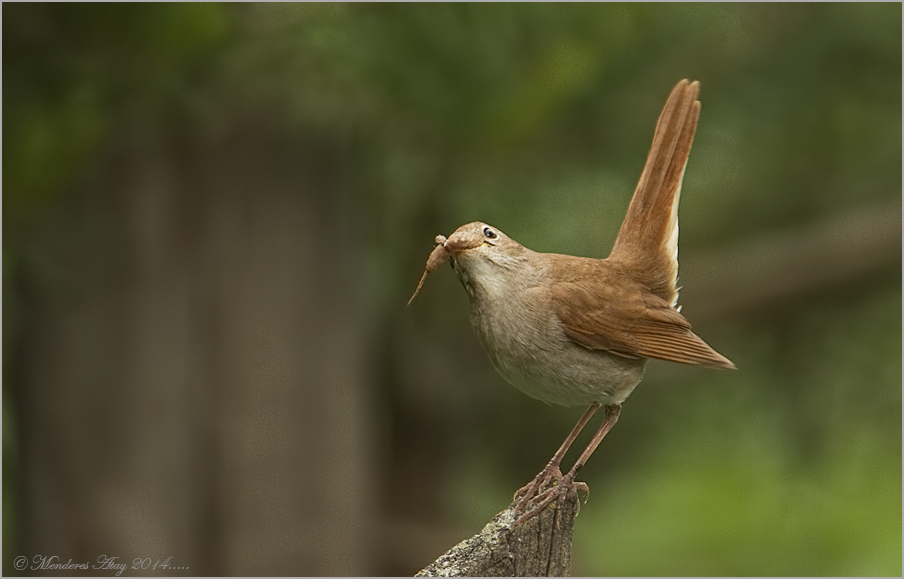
(647, 242)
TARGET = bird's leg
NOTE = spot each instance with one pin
(567, 482)
(551, 471)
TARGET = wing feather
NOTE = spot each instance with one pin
(628, 320)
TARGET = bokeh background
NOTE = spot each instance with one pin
(213, 215)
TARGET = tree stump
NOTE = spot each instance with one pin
(539, 547)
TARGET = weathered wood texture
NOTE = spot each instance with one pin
(541, 546)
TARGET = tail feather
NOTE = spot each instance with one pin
(647, 242)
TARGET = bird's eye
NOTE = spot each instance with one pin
(489, 233)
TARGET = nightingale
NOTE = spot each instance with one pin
(576, 330)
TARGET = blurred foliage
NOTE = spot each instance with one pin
(537, 118)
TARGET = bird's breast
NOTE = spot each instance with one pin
(526, 344)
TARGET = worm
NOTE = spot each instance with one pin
(439, 254)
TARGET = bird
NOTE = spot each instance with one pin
(573, 330)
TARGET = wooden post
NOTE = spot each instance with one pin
(539, 547)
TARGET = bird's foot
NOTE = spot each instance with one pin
(549, 476)
(546, 487)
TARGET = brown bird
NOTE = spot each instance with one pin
(578, 331)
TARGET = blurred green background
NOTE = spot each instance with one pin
(213, 215)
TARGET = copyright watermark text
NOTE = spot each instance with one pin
(103, 563)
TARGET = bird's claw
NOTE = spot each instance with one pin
(550, 475)
(537, 498)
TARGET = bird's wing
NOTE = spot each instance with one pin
(629, 320)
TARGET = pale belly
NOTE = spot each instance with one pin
(537, 358)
